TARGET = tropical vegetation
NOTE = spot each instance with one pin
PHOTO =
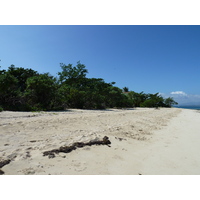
(28, 90)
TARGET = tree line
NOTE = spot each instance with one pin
(28, 90)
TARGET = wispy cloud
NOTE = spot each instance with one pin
(181, 93)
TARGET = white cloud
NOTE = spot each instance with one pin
(182, 98)
(181, 93)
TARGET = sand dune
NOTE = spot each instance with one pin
(143, 141)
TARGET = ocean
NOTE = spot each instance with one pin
(189, 107)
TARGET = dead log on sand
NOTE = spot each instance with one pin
(74, 146)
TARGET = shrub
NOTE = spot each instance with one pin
(1, 109)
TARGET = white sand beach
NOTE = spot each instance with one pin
(143, 141)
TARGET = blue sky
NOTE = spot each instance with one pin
(152, 59)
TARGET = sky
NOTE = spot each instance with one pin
(164, 59)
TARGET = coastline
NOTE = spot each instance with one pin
(143, 141)
(189, 107)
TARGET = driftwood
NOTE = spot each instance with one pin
(1, 172)
(3, 163)
(74, 146)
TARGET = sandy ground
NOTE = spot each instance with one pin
(143, 141)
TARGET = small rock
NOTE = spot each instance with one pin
(33, 141)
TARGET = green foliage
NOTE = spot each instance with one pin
(1, 109)
(125, 89)
(41, 91)
(153, 100)
(137, 98)
(9, 92)
(70, 74)
(149, 100)
(25, 89)
(21, 75)
(169, 102)
(12, 87)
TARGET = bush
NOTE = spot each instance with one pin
(1, 109)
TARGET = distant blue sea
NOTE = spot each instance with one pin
(189, 107)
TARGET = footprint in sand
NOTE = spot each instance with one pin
(87, 148)
(27, 155)
(78, 166)
(12, 156)
(80, 169)
(28, 171)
